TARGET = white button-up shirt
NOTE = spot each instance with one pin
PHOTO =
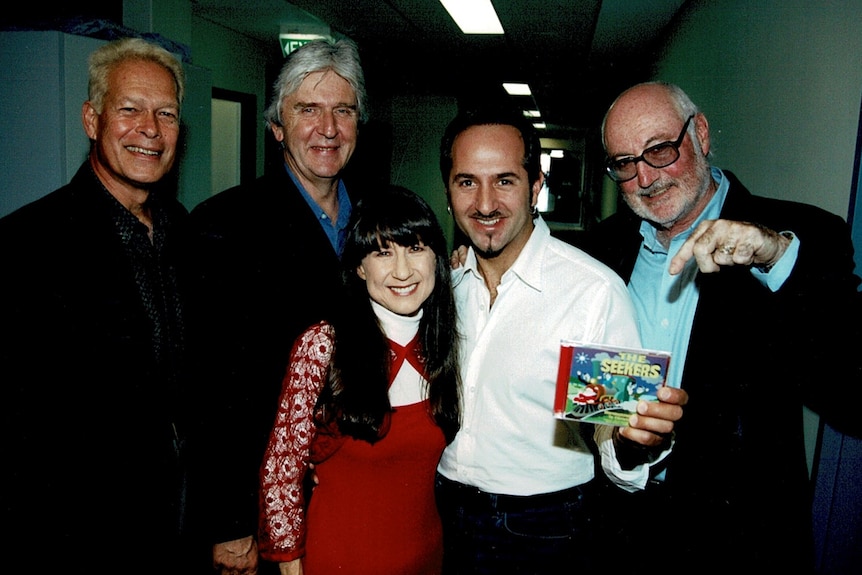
(510, 442)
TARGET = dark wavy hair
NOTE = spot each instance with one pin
(492, 114)
(356, 398)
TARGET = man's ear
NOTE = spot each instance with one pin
(702, 130)
(90, 120)
(536, 188)
(360, 271)
(278, 134)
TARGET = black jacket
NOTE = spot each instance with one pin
(737, 491)
(263, 271)
(90, 419)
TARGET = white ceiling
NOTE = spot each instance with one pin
(575, 54)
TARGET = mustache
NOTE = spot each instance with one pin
(656, 187)
(480, 216)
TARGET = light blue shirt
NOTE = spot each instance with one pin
(665, 304)
(336, 233)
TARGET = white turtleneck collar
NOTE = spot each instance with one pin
(399, 328)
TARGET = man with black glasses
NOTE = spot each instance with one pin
(748, 342)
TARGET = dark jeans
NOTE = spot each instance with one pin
(488, 534)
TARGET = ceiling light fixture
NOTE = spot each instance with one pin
(517, 89)
(532, 114)
(474, 16)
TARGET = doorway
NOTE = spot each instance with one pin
(233, 139)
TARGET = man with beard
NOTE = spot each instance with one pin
(514, 488)
(734, 285)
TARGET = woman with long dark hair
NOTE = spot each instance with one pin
(370, 398)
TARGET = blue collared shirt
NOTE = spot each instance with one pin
(665, 304)
(336, 233)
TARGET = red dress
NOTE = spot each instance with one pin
(373, 511)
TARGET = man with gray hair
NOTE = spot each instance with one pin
(250, 245)
(745, 291)
(91, 337)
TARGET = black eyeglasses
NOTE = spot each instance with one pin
(659, 156)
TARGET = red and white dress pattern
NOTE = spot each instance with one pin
(373, 511)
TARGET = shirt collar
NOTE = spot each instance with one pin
(344, 205)
(527, 266)
(711, 212)
(128, 226)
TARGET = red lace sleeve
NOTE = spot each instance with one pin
(281, 534)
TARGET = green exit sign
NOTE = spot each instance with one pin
(290, 42)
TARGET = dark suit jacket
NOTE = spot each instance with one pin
(264, 271)
(737, 492)
(88, 448)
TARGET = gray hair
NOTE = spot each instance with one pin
(342, 57)
(107, 57)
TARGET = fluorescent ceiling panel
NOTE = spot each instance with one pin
(516, 89)
(474, 16)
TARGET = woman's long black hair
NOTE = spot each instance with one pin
(356, 398)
